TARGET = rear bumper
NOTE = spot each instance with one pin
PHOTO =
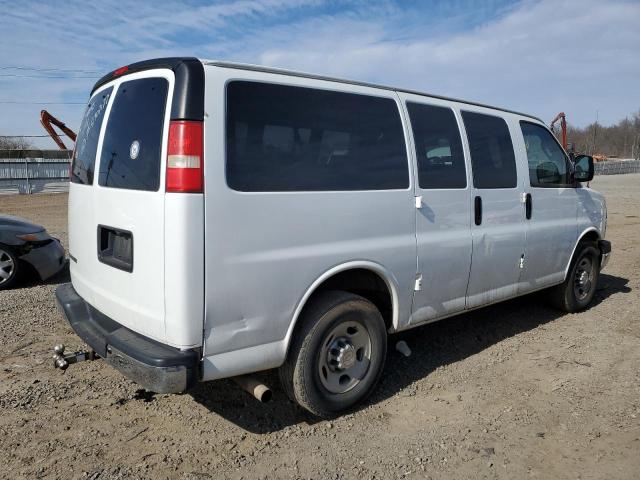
(153, 365)
(605, 252)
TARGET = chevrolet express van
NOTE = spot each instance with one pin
(226, 219)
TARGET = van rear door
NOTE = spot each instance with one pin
(121, 220)
(117, 224)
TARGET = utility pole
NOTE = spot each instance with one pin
(595, 132)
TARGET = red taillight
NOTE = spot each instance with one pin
(120, 71)
(184, 157)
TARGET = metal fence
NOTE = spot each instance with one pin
(34, 171)
(616, 167)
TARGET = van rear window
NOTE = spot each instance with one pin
(132, 145)
(285, 138)
(84, 155)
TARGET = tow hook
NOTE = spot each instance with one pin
(62, 361)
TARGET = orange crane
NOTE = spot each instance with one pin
(47, 119)
(563, 126)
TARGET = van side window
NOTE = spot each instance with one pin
(284, 138)
(84, 155)
(132, 144)
(548, 164)
(492, 158)
(438, 147)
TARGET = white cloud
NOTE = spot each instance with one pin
(541, 58)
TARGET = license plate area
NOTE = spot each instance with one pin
(115, 248)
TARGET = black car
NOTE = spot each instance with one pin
(24, 242)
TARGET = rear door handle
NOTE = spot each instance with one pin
(528, 206)
(115, 247)
(478, 210)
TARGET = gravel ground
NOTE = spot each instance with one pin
(517, 390)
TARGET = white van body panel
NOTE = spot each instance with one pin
(591, 218)
(592, 211)
(263, 242)
(443, 255)
(499, 241)
(81, 225)
(255, 358)
(551, 235)
(184, 268)
(552, 230)
(443, 233)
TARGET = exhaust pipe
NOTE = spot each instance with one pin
(259, 390)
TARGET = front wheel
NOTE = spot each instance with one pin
(336, 355)
(8, 267)
(578, 289)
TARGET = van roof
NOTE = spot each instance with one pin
(174, 63)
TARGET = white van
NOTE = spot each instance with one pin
(226, 219)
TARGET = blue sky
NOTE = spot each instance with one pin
(535, 56)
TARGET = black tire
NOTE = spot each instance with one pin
(10, 266)
(577, 291)
(314, 336)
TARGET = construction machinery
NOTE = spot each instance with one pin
(563, 127)
(47, 120)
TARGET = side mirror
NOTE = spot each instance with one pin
(583, 168)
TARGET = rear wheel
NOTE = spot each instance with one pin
(578, 289)
(337, 353)
(8, 267)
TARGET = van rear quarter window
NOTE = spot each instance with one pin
(84, 155)
(132, 145)
(285, 138)
(492, 158)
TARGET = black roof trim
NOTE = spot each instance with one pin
(188, 90)
(259, 68)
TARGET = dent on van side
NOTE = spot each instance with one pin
(226, 219)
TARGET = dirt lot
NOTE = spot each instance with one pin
(516, 390)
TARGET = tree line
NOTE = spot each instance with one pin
(15, 143)
(621, 140)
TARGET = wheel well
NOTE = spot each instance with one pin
(365, 283)
(590, 236)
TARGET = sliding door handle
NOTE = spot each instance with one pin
(478, 210)
(528, 206)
